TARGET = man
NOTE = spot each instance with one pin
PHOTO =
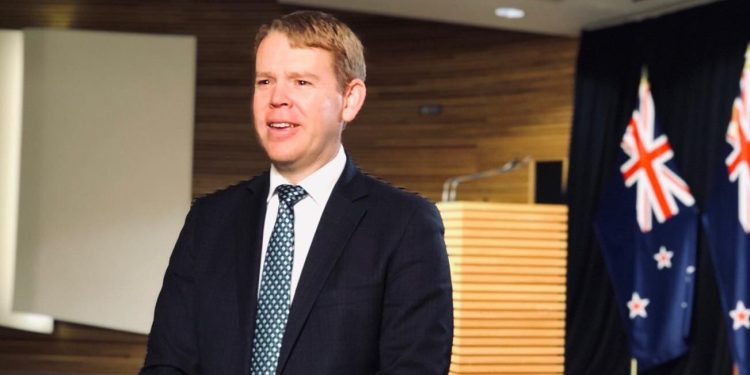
(313, 267)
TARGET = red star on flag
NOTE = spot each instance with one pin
(740, 316)
(637, 306)
(663, 258)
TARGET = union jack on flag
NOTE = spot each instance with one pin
(657, 186)
(738, 161)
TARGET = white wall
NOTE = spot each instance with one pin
(105, 178)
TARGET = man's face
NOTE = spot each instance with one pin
(297, 106)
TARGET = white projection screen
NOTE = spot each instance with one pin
(11, 91)
(105, 172)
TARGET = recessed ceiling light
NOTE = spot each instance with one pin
(511, 13)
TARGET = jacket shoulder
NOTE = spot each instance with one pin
(385, 191)
(232, 192)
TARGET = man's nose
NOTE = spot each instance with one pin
(279, 96)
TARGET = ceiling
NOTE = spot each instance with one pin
(557, 17)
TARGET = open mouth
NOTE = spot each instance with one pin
(282, 125)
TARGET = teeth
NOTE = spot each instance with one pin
(280, 125)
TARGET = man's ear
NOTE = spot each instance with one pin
(354, 98)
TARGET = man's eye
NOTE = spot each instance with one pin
(302, 82)
(262, 82)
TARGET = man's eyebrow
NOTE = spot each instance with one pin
(307, 75)
(294, 75)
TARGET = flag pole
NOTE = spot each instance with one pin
(633, 361)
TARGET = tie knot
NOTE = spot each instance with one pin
(290, 194)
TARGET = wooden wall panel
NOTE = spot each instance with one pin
(504, 95)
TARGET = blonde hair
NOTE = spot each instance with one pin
(307, 28)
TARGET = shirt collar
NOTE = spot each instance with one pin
(319, 184)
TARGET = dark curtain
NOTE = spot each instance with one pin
(694, 60)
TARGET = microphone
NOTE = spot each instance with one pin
(450, 186)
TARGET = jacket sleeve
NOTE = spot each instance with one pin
(172, 345)
(417, 321)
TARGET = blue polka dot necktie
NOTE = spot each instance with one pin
(275, 285)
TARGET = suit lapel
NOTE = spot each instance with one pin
(343, 212)
(249, 234)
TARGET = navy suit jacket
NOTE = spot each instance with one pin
(374, 296)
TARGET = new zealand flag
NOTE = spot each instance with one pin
(651, 262)
(727, 224)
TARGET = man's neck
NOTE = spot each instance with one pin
(297, 175)
(294, 176)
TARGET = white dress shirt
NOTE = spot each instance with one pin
(307, 211)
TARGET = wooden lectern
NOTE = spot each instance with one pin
(508, 264)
